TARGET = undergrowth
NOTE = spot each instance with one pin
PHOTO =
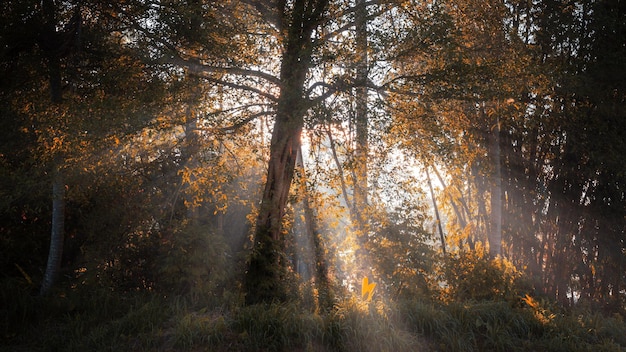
(102, 320)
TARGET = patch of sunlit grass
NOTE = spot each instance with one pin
(368, 326)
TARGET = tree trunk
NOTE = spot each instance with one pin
(495, 230)
(361, 118)
(57, 233)
(55, 253)
(460, 216)
(322, 279)
(266, 267)
(437, 218)
(480, 233)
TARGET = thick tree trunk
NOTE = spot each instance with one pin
(266, 267)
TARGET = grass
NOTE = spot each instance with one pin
(78, 321)
(108, 321)
(508, 326)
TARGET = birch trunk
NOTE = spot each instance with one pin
(57, 236)
(57, 232)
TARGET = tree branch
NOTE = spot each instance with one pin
(238, 86)
(245, 121)
(348, 25)
(195, 66)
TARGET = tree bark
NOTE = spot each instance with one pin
(266, 267)
(57, 233)
(361, 118)
(495, 230)
(55, 254)
(437, 218)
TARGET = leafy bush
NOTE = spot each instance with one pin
(473, 276)
(105, 320)
(351, 326)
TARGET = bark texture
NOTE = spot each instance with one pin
(495, 231)
(57, 236)
(266, 267)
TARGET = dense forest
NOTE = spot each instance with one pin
(313, 175)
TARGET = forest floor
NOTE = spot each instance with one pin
(106, 321)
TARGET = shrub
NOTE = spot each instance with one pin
(473, 276)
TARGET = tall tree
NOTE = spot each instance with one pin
(495, 231)
(361, 117)
(66, 87)
(264, 275)
(56, 44)
(296, 39)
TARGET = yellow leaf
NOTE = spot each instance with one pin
(367, 289)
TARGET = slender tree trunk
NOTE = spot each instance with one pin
(55, 253)
(481, 217)
(361, 118)
(57, 233)
(360, 195)
(322, 279)
(470, 179)
(437, 218)
(495, 230)
(460, 216)
(342, 179)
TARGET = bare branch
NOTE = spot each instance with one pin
(236, 126)
(242, 87)
(246, 121)
(196, 67)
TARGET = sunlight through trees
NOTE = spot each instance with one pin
(248, 152)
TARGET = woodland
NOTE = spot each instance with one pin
(312, 175)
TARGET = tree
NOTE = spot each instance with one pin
(464, 77)
(361, 118)
(66, 87)
(296, 38)
(55, 45)
(590, 192)
(263, 278)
